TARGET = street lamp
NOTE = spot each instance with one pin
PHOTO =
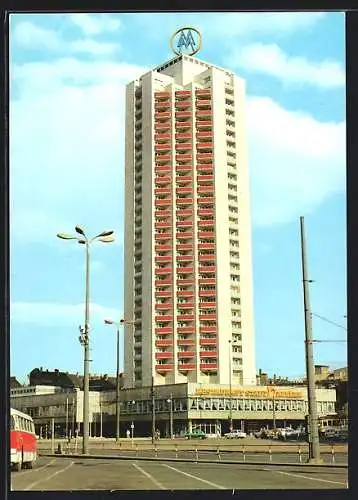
(82, 239)
(230, 379)
(170, 401)
(117, 324)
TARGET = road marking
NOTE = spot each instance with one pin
(217, 486)
(23, 472)
(306, 477)
(49, 477)
(157, 483)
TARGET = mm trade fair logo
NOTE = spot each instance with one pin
(186, 41)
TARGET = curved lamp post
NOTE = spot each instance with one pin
(82, 239)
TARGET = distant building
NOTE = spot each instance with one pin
(14, 383)
(321, 372)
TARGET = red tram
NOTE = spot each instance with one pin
(23, 441)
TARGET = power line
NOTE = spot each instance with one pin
(329, 321)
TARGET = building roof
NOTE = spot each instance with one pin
(14, 383)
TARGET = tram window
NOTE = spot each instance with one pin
(12, 423)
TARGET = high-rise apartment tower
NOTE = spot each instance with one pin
(188, 268)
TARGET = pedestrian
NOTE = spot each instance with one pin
(128, 433)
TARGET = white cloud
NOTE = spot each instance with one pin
(52, 313)
(271, 60)
(92, 24)
(296, 162)
(67, 144)
(28, 36)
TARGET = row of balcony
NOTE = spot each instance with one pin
(181, 94)
(185, 342)
(165, 136)
(167, 318)
(168, 330)
(187, 269)
(186, 367)
(183, 212)
(165, 306)
(185, 293)
(164, 115)
(167, 259)
(184, 246)
(184, 178)
(182, 146)
(184, 282)
(183, 157)
(184, 235)
(201, 125)
(183, 168)
(186, 354)
(180, 104)
(184, 224)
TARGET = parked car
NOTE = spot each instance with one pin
(195, 434)
(235, 434)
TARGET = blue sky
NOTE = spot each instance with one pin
(68, 74)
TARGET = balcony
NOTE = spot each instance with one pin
(207, 269)
(164, 330)
(205, 168)
(162, 106)
(162, 95)
(163, 355)
(164, 137)
(163, 258)
(184, 125)
(207, 293)
(185, 317)
(184, 201)
(206, 234)
(204, 341)
(183, 104)
(185, 157)
(180, 94)
(159, 127)
(203, 103)
(185, 258)
(184, 190)
(163, 213)
(162, 147)
(162, 190)
(208, 329)
(202, 113)
(207, 258)
(184, 168)
(184, 146)
(163, 225)
(183, 135)
(204, 156)
(163, 294)
(207, 305)
(184, 305)
(163, 342)
(164, 368)
(208, 366)
(188, 330)
(206, 223)
(186, 354)
(162, 203)
(183, 212)
(165, 282)
(185, 293)
(163, 248)
(185, 270)
(160, 158)
(162, 236)
(205, 178)
(205, 200)
(204, 93)
(163, 270)
(184, 246)
(162, 115)
(203, 212)
(205, 134)
(162, 168)
(165, 179)
(183, 114)
(204, 145)
(164, 318)
(163, 307)
(186, 235)
(185, 282)
(208, 354)
(186, 367)
(207, 317)
(204, 124)
(183, 179)
(186, 341)
(207, 281)
(184, 223)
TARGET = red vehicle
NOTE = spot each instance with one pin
(23, 441)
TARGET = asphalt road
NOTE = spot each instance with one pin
(53, 474)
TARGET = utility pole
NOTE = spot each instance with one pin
(153, 411)
(230, 382)
(313, 436)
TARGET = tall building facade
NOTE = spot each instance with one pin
(188, 268)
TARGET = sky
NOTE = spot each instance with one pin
(67, 81)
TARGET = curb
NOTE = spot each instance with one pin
(189, 460)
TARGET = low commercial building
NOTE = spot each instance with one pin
(205, 406)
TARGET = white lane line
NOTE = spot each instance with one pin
(49, 477)
(307, 477)
(35, 469)
(145, 473)
(217, 486)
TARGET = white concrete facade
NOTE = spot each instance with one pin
(188, 264)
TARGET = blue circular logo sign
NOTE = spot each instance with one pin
(186, 40)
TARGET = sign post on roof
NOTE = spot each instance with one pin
(186, 40)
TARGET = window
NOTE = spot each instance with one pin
(12, 423)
